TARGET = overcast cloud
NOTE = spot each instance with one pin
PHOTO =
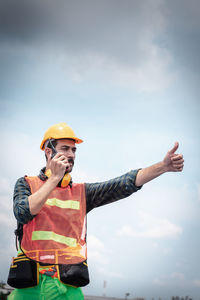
(130, 41)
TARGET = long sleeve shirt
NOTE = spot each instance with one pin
(97, 194)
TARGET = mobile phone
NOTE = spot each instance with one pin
(54, 152)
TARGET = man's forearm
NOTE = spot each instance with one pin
(172, 162)
(147, 174)
(57, 166)
(37, 200)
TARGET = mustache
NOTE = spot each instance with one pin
(71, 161)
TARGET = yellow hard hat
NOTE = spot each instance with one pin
(59, 131)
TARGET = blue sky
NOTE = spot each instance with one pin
(125, 77)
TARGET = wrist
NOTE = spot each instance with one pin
(54, 179)
(164, 167)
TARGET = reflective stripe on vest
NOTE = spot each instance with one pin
(57, 234)
(49, 235)
(63, 204)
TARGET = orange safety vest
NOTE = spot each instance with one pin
(57, 234)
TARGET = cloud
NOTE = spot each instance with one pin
(110, 27)
(182, 32)
(134, 44)
(151, 227)
(178, 275)
(159, 282)
(100, 256)
(110, 41)
(196, 282)
(151, 75)
(97, 250)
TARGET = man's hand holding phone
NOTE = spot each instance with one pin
(58, 165)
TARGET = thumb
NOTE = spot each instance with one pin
(173, 150)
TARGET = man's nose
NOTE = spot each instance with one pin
(70, 154)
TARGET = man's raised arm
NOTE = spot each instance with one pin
(172, 162)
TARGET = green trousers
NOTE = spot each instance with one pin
(47, 289)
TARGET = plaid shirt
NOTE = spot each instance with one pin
(97, 194)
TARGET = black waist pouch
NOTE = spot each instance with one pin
(23, 272)
(76, 275)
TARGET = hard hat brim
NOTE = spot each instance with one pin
(76, 140)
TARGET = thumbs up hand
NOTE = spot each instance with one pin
(173, 162)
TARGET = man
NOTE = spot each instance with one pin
(53, 212)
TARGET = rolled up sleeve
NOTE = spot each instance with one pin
(102, 193)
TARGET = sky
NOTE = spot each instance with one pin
(125, 76)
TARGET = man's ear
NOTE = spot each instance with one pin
(48, 153)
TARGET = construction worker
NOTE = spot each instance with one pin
(51, 213)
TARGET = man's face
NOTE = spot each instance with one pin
(68, 149)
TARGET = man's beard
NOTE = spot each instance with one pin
(69, 169)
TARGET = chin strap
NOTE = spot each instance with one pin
(65, 180)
